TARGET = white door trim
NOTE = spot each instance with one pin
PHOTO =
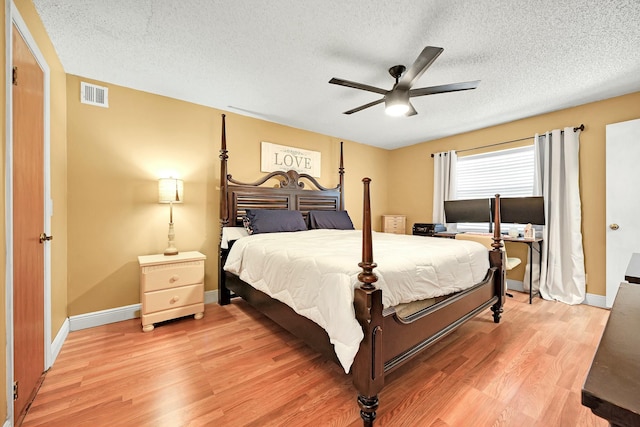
(13, 17)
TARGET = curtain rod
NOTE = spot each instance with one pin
(575, 129)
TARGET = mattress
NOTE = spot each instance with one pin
(315, 272)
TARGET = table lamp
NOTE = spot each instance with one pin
(170, 190)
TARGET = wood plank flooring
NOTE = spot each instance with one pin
(236, 368)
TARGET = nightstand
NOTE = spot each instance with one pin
(394, 224)
(171, 287)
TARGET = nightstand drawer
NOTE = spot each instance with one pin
(156, 277)
(172, 298)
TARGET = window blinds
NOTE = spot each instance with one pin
(505, 172)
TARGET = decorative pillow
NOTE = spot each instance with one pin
(338, 220)
(246, 222)
(273, 221)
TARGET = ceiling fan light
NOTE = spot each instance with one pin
(396, 103)
(397, 109)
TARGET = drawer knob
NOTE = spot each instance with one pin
(174, 299)
(174, 278)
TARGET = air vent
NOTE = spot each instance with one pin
(94, 95)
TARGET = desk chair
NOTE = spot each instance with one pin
(511, 263)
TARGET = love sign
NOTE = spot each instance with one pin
(282, 158)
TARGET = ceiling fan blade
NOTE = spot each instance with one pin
(412, 111)
(451, 87)
(356, 85)
(362, 107)
(424, 61)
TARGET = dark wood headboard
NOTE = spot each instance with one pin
(289, 194)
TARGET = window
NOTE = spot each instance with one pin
(505, 172)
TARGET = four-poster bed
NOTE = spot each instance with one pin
(389, 339)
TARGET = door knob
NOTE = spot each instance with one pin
(614, 226)
(43, 237)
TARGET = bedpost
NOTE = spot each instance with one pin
(496, 258)
(224, 209)
(341, 175)
(368, 366)
(224, 295)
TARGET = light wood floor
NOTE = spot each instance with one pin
(236, 368)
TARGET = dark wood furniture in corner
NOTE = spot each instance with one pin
(612, 387)
(388, 341)
(632, 275)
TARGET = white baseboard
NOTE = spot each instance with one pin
(103, 317)
(211, 296)
(60, 338)
(112, 315)
(595, 300)
(590, 299)
(516, 285)
(7, 423)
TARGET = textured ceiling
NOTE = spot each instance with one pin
(273, 59)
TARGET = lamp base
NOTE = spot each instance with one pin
(170, 251)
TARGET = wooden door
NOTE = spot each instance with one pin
(623, 180)
(28, 222)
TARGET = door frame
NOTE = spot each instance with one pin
(13, 17)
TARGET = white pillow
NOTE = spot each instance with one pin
(231, 233)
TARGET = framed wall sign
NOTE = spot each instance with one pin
(282, 158)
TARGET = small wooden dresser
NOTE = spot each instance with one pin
(171, 287)
(394, 224)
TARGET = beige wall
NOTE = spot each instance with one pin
(116, 155)
(414, 165)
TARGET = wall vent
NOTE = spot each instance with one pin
(94, 95)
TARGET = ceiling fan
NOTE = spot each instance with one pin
(397, 99)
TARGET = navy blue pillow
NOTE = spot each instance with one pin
(273, 221)
(337, 220)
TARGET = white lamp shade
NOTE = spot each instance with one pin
(170, 190)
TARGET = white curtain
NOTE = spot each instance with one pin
(556, 178)
(444, 182)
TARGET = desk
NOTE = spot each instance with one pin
(632, 275)
(528, 242)
(612, 386)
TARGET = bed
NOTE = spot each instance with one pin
(390, 333)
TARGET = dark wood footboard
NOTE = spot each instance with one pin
(390, 341)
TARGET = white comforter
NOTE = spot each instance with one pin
(315, 272)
